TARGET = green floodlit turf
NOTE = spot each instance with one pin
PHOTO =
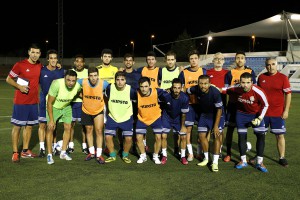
(79, 179)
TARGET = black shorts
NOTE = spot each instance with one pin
(87, 119)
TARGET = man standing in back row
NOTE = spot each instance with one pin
(189, 77)
(49, 73)
(217, 77)
(233, 78)
(106, 70)
(76, 104)
(24, 77)
(278, 91)
(153, 72)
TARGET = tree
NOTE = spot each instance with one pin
(183, 45)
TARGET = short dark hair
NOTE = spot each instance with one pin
(92, 70)
(240, 52)
(70, 72)
(246, 75)
(79, 56)
(128, 55)
(120, 73)
(51, 51)
(107, 51)
(203, 77)
(192, 52)
(170, 53)
(176, 80)
(144, 79)
(34, 46)
(151, 53)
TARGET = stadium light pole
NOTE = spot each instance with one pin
(46, 42)
(208, 39)
(151, 41)
(132, 43)
(253, 42)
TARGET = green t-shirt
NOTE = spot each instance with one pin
(119, 104)
(167, 77)
(63, 94)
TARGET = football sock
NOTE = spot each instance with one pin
(164, 152)
(125, 154)
(84, 146)
(216, 158)
(42, 145)
(206, 155)
(143, 155)
(99, 152)
(155, 155)
(259, 159)
(243, 158)
(92, 150)
(190, 148)
(71, 145)
(113, 154)
(182, 153)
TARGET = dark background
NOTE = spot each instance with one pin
(90, 26)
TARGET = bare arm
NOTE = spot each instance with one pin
(12, 82)
(183, 127)
(217, 122)
(50, 102)
(288, 99)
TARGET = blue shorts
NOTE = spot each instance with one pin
(42, 111)
(76, 111)
(111, 126)
(169, 123)
(156, 126)
(191, 116)
(25, 115)
(243, 121)
(206, 122)
(277, 125)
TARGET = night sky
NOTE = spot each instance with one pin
(91, 26)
